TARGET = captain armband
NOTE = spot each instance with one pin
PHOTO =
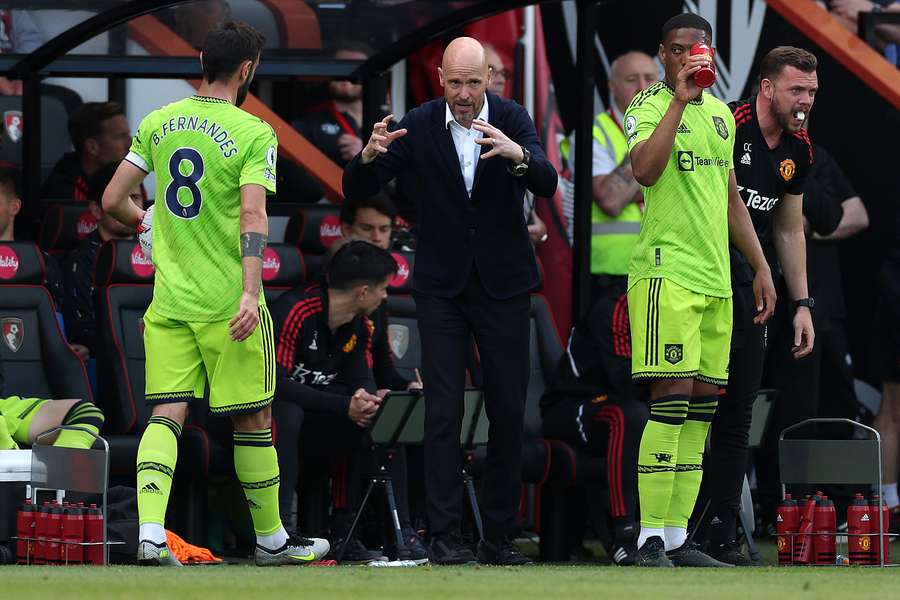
(253, 244)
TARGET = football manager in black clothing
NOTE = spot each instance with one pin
(467, 159)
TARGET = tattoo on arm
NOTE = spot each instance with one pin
(253, 244)
(623, 172)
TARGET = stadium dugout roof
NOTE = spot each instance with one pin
(100, 43)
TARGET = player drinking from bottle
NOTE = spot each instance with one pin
(679, 289)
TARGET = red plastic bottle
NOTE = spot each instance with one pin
(53, 532)
(93, 532)
(859, 528)
(705, 76)
(25, 520)
(803, 546)
(882, 545)
(825, 525)
(73, 535)
(787, 522)
(40, 533)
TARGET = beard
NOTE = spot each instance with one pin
(785, 117)
(347, 94)
(242, 92)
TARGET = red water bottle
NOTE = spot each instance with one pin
(25, 520)
(787, 522)
(40, 534)
(803, 546)
(859, 542)
(705, 76)
(883, 544)
(53, 533)
(93, 533)
(73, 535)
(825, 526)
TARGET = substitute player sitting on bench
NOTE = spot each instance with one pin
(23, 419)
(320, 339)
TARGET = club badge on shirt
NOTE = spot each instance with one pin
(787, 168)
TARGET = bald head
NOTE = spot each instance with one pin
(464, 76)
(464, 50)
(630, 73)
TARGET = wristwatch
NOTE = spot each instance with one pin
(809, 303)
(522, 168)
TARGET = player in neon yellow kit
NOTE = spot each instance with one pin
(208, 320)
(679, 287)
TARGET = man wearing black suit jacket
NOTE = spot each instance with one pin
(474, 269)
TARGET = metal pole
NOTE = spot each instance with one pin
(31, 150)
(584, 68)
(398, 90)
(116, 88)
(373, 103)
(528, 41)
(388, 484)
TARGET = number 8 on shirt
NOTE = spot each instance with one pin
(202, 151)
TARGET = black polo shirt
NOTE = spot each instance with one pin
(764, 175)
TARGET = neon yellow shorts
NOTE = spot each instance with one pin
(181, 357)
(17, 413)
(677, 333)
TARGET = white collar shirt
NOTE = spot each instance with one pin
(467, 151)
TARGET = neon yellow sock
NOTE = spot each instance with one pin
(256, 465)
(156, 459)
(689, 468)
(657, 458)
(85, 415)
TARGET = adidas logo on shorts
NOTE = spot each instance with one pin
(745, 159)
(151, 488)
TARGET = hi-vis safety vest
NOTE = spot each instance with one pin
(612, 238)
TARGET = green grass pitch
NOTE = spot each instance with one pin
(252, 583)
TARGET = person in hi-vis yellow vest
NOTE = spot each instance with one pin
(616, 212)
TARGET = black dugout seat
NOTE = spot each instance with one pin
(403, 329)
(38, 360)
(64, 225)
(313, 229)
(56, 104)
(283, 268)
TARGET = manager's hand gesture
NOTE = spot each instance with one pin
(380, 139)
(499, 143)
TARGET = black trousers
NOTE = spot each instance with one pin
(725, 465)
(501, 329)
(611, 428)
(330, 444)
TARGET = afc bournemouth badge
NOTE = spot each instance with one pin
(13, 332)
(398, 339)
(12, 124)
